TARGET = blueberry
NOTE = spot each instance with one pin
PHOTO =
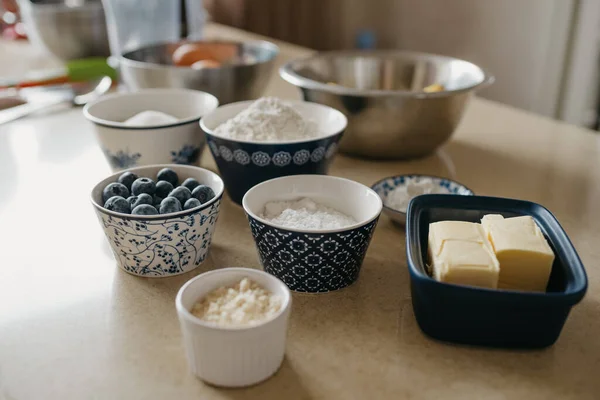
(167, 174)
(144, 209)
(191, 203)
(190, 183)
(143, 185)
(118, 204)
(143, 198)
(127, 178)
(156, 201)
(114, 189)
(170, 205)
(203, 193)
(163, 188)
(181, 193)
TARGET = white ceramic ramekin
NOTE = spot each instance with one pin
(239, 356)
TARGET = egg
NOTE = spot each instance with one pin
(189, 53)
(210, 55)
(205, 64)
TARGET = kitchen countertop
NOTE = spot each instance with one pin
(73, 326)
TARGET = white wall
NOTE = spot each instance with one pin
(522, 42)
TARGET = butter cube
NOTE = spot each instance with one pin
(524, 254)
(460, 253)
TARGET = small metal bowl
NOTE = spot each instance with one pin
(67, 32)
(152, 67)
(390, 116)
(387, 185)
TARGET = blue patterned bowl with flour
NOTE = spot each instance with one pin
(157, 246)
(243, 164)
(314, 261)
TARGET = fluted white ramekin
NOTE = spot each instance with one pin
(232, 356)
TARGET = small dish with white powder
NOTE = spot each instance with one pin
(234, 324)
(254, 141)
(312, 231)
(151, 126)
(397, 191)
(243, 303)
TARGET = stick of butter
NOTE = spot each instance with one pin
(460, 253)
(524, 254)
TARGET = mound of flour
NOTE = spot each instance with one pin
(305, 214)
(268, 119)
(399, 198)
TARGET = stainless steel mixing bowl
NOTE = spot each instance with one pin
(68, 29)
(152, 67)
(390, 116)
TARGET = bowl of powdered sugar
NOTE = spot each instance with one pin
(254, 141)
(397, 191)
(151, 126)
(312, 231)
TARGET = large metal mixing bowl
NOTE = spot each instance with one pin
(390, 116)
(152, 67)
(69, 30)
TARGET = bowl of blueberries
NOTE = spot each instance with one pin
(159, 219)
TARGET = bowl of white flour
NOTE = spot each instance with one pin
(397, 191)
(151, 126)
(254, 141)
(312, 231)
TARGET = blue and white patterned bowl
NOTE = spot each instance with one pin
(161, 245)
(124, 146)
(387, 185)
(244, 164)
(314, 261)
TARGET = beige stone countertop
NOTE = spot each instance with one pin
(73, 326)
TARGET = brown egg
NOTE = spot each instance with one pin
(189, 53)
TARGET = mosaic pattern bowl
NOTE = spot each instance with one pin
(310, 260)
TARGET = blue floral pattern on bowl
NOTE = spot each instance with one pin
(243, 165)
(186, 155)
(122, 159)
(158, 248)
(312, 262)
(279, 159)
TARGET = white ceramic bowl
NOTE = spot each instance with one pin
(124, 146)
(243, 164)
(232, 356)
(159, 246)
(314, 260)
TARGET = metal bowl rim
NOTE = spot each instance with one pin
(288, 73)
(125, 61)
(62, 7)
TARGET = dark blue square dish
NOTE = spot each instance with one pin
(487, 317)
